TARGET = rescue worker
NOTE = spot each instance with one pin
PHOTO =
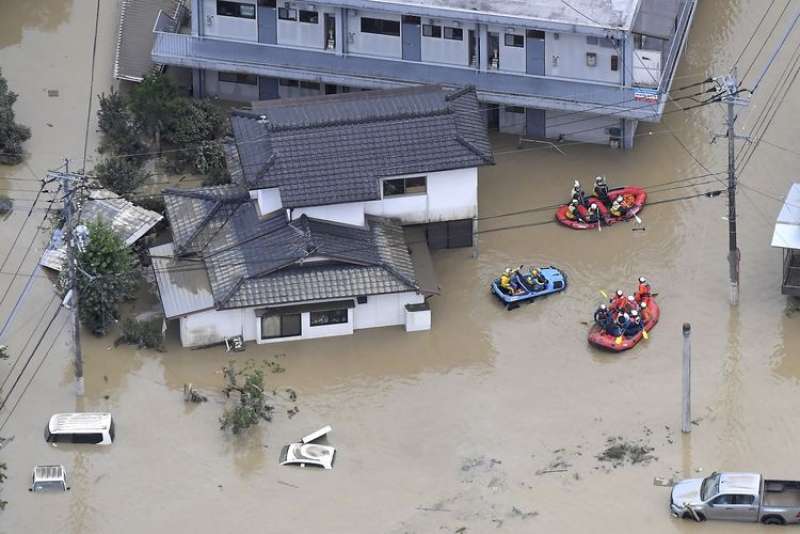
(618, 208)
(620, 325)
(643, 292)
(602, 317)
(601, 190)
(593, 214)
(618, 301)
(630, 304)
(645, 313)
(505, 282)
(536, 279)
(577, 194)
(572, 211)
(634, 324)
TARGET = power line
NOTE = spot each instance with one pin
(28, 342)
(755, 31)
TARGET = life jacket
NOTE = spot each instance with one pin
(643, 292)
(619, 303)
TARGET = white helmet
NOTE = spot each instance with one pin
(603, 307)
(620, 199)
(631, 299)
(642, 280)
(619, 293)
(643, 305)
(634, 313)
(593, 206)
(598, 179)
(577, 184)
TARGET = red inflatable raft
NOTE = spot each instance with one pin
(635, 198)
(600, 338)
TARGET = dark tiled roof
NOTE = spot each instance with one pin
(255, 261)
(335, 148)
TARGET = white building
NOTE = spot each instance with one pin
(326, 228)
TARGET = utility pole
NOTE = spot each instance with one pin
(728, 86)
(686, 414)
(72, 218)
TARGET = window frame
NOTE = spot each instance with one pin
(517, 40)
(281, 326)
(591, 59)
(453, 32)
(313, 86)
(239, 78)
(614, 63)
(340, 316)
(404, 186)
(379, 26)
(431, 30)
(315, 16)
(287, 13)
(230, 7)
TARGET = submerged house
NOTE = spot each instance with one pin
(786, 237)
(325, 229)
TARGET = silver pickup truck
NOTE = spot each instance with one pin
(737, 497)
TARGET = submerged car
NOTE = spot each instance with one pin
(49, 478)
(304, 452)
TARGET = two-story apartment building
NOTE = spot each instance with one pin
(587, 70)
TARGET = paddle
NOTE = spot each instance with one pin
(605, 296)
(618, 341)
(638, 220)
(645, 334)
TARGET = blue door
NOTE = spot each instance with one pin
(267, 17)
(412, 39)
(535, 123)
(534, 52)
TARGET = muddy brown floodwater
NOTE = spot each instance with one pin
(490, 422)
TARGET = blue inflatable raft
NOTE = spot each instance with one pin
(556, 281)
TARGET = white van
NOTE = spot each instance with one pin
(93, 428)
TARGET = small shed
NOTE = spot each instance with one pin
(787, 237)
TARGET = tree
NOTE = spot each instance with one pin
(155, 104)
(196, 133)
(251, 406)
(121, 175)
(121, 132)
(107, 275)
(3, 477)
(12, 135)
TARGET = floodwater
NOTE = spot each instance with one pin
(452, 428)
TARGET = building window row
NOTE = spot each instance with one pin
(302, 15)
(380, 26)
(236, 9)
(515, 40)
(238, 77)
(405, 186)
(437, 32)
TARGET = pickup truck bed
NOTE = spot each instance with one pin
(781, 493)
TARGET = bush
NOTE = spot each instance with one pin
(121, 133)
(120, 175)
(12, 135)
(195, 133)
(6, 205)
(144, 334)
(251, 406)
(154, 104)
(107, 275)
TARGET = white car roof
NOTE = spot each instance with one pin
(739, 483)
(48, 473)
(79, 422)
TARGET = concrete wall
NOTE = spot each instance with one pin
(585, 127)
(205, 328)
(237, 92)
(441, 50)
(369, 43)
(384, 310)
(571, 49)
(512, 122)
(231, 27)
(512, 58)
(307, 35)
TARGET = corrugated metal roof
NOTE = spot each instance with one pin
(787, 228)
(182, 284)
(126, 219)
(137, 20)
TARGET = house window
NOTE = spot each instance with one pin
(324, 318)
(607, 42)
(236, 9)
(310, 85)
(238, 77)
(539, 34)
(405, 186)
(274, 326)
(429, 30)
(289, 83)
(615, 63)
(591, 59)
(591, 40)
(284, 13)
(380, 26)
(454, 34)
(310, 17)
(512, 39)
(514, 109)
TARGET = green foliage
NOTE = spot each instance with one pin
(3, 477)
(251, 407)
(120, 175)
(6, 204)
(196, 130)
(121, 132)
(154, 103)
(12, 135)
(144, 334)
(107, 275)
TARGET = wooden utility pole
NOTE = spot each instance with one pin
(686, 419)
(72, 217)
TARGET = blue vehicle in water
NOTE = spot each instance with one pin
(526, 287)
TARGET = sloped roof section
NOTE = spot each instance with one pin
(787, 227)
(182, 285)
(335, 148)
(137, 20)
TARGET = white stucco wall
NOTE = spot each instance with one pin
(213, 326)
(232, 27)
(384, 310)
(350, 213)
(308, 331)
(237, 92)
(441, 50)
(372, 44)
(305, 34)
(512, 58)
(269, 200)
(585, 127)
(571, 51)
